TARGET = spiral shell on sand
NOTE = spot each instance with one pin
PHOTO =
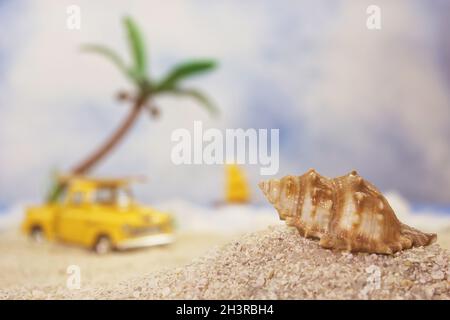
(345, 213)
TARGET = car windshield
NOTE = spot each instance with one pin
(113, 196)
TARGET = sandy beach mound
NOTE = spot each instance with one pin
(279, 264)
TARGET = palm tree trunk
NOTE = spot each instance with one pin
(99, 154)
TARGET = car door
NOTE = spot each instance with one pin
(73, 218)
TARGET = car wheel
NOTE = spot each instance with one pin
(37, 234)
(103, 245)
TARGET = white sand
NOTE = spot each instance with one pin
(279, 264)
(38, 271)
(275, 263)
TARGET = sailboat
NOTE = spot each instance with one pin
(237, 189)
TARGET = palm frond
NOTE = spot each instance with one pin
(183, 71)
(55, 189)
(137, 47)
(198, 96)
(108, 53)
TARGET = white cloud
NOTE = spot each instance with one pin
(60, 106)
(361, 99)
(379, 103)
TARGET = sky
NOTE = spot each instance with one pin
(344, 97)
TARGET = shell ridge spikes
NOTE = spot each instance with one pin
(417, 238)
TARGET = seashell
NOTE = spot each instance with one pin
(345, 213)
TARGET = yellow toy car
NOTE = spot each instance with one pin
(100, 214)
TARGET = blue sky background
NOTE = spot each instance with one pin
(343, 96)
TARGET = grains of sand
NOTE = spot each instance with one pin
(277, 263)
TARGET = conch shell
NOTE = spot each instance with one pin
(345, 213)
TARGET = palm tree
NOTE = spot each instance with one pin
(146, 89)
